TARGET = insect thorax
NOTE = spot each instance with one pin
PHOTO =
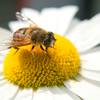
(38, 35)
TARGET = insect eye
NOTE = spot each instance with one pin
(47, 41)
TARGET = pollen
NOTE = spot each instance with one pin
(60, 63)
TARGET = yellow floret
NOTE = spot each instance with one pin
(26, 71)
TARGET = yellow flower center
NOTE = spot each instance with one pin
(26, 71)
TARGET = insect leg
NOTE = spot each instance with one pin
(31, 50)
(44, 50)
(16, 49)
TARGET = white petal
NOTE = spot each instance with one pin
(43, 93)
(76, 32)
(4, 33)
(91, 65)
(2, 56)
(90, 74)
(90, 59)
(15, 25)
(3, 82)
(65, 17)
(49, 19)
(71, 94)
(72, 25)
(91, 35)
(84, 89)
(32, 14)
(1, 75)
(1, 66)
(7, 90)
(58, 94)
(86, 34)
(3, 53)
(25, 94)
(91, 55)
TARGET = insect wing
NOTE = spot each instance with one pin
(6, 43)
(23, 18)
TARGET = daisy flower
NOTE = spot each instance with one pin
(73, 70)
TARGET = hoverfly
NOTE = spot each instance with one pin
(29, 35)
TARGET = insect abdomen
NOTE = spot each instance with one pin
(19, 34)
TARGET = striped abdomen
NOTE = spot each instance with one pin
(19, 34)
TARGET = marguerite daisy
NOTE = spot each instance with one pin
(73, 70)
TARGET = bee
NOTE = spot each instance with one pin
(29, 35)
